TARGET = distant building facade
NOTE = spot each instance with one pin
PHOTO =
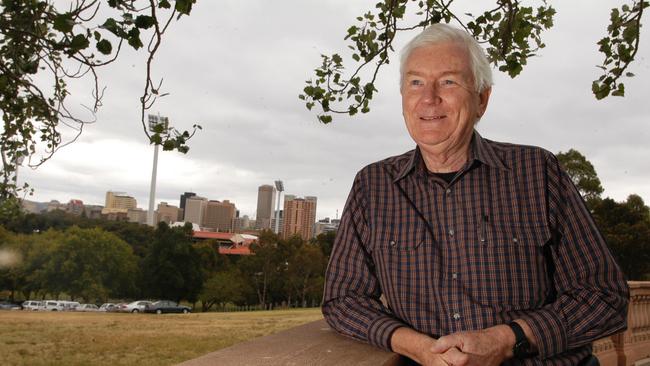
(137, 215)
(265, 206)
(168, 213)
(184, 198)
(194, 209)
(119, 200)
(326, 225)
(219, 216)
(299, 216)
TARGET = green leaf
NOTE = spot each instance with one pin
(164, 4)
(63, 23)
(111, 25)
(79, 42)
(134, 38)
(144, 21)
(184, 6)
(105, 47)
(325, 118)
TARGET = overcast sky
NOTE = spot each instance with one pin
(237, 68)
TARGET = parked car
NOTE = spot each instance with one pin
(87, 308)
(52, 305)
(32, 305)
(6, 305)
(165, 306)
(134, 307)
(109, 306)
(70, 305)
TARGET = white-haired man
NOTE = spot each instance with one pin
(483, 251)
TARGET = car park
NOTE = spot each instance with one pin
(109, 306)
(134, 307)
(52, 305)
(7, 305)
(31, 305)
(166, 306)
(87, 308)
(70, 305)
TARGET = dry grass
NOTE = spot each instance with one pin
(56, 338)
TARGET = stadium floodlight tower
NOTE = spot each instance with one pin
(280, 187)
(154, 122)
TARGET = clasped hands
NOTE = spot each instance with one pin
(485, 347)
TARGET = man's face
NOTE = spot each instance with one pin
(439, 101)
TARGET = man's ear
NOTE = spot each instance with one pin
(484, 98)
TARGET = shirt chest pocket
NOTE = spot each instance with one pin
(507, 267)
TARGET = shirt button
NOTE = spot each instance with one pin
(448, 191)
(454, 275)
(514, 240)
(451, 232)
(392, 242)
(456, 316)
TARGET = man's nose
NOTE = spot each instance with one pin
(431, 93)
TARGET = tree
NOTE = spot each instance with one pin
(511, 32)
(42, 43)
(626, 228)
(305, 273)
(172, 267)
(224, 287)
(582, 173)
(91, 264)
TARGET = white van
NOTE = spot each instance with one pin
(52, 305)
(31, 305)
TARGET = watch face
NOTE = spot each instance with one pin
(521, 349)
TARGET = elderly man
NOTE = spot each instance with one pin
(483, 251)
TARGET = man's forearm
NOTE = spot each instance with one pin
(410, 343)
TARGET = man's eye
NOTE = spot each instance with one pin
(448, 82)
(416, 82)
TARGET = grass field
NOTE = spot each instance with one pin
(68, 338)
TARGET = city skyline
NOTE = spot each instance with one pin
(241, 84)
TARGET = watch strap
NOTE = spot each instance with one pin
(521, 348)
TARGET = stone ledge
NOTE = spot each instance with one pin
(313, 343)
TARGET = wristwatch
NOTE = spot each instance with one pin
(522, 346)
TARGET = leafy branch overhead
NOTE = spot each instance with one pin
(510, 32)
(45, 44)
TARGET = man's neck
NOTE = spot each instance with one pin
(445, 159)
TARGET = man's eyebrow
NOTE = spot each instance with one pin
(445, 73)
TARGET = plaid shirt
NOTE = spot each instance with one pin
(508, 238)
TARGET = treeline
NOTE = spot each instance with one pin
(624, 225)
(57, 254)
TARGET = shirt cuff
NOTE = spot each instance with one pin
(381, 330)
(549, 332)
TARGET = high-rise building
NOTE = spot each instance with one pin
(194, 209)
(219, 216)
(299, 216)
(168, 213)
(119, 200)
(265, 206)
(184, 197)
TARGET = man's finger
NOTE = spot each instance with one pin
(455, 357)
(445, 343)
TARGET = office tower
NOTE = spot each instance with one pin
(265, 206)
(184, 197)
(299, 216)
(119, 200)
(219, 216)
(167, 213)
(194, 209)
(75, 207)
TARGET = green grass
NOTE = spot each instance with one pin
(62, 338)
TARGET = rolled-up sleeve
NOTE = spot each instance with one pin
(351, 301)
(591, 292)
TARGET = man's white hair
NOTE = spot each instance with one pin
(443, 33)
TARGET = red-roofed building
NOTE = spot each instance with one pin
(228, 243)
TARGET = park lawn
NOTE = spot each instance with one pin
(69, 338)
